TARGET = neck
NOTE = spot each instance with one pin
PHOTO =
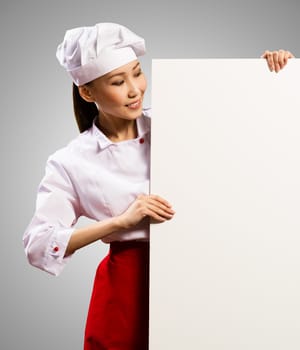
(117, 129)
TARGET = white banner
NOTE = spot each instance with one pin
(225, 271)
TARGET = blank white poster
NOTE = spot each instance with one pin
(225, 271)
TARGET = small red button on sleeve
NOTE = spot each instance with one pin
(142, 140)
(56, 249)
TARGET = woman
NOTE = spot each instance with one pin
(103, 174)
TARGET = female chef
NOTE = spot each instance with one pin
(103, 174)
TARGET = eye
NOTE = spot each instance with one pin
(138, 73)
(118, 82)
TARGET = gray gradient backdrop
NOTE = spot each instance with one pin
(39, 311)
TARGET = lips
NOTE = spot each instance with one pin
(134, 105)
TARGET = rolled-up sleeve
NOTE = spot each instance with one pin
(57, 210)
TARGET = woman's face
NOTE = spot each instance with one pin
(120, 92)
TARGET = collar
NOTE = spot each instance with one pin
(143, 127)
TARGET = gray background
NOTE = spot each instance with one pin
(39, 311)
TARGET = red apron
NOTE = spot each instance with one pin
(118, 316)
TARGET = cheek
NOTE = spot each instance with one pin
(110, 99)
(143, 85)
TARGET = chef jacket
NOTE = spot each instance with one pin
(93, 177)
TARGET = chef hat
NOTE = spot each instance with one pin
(88, 53)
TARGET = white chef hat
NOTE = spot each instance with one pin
(88, 53)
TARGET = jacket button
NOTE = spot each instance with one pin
(56, 249)
(142, 140)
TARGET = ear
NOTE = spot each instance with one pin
(85, 93)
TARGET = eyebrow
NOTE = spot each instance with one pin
(122, 73)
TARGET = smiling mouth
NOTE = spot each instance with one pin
(134, 105)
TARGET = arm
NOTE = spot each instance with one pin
(57, 210)
(277, 60)
(51, 239)
(151, 206)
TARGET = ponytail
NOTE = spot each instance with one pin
(85, 112)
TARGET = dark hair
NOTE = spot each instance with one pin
(85, 112)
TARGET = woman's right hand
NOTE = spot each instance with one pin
(152, 206)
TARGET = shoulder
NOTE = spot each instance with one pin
(74, 150)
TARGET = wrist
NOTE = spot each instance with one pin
(120, 223)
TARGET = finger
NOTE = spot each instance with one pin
(151, 205)
(160, 200)
(160, 210)
(264, 55)
(287, 56)
(156, 217)
(160, 206)
(275, 56)
(165, 213)
(281, 58)
(155, 221)
(269, 57)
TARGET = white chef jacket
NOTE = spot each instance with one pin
(93, 177)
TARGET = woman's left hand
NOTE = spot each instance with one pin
(277, 59)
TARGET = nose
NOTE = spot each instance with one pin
(133, 89)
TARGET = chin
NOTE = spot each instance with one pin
(135, 114)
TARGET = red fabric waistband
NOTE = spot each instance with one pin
(119, 246)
